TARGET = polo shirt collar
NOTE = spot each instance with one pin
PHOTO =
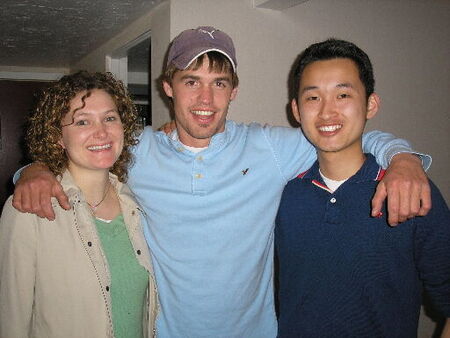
(370, 171)
(217, 141)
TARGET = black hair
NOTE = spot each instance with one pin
(334, 49)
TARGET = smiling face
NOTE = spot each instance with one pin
(200, 99)
(92, 136)
(332, 107)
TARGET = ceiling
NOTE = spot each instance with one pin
(57, 33)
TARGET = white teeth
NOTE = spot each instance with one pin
(330, 128)
(106, 146)
(202, 112)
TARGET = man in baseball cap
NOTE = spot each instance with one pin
(201, 70)
(210, 192)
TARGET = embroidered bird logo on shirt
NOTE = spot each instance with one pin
(245, 171)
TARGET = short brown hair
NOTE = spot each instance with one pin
(44, 126)
(217, 63)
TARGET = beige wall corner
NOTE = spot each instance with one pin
(160, 40)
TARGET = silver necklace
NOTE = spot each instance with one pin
(95, 206)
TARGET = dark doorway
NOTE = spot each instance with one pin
(17, 98)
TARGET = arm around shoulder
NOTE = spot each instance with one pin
(384, 146)
(405, 184)
(34, 190)
(292, 150)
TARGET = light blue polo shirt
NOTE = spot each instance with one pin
(211, 220)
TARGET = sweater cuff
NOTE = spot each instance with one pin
(425, 158)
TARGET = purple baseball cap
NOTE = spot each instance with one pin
(192, 43)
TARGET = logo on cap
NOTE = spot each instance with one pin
(206, 32)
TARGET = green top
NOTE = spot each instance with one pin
(129, 280)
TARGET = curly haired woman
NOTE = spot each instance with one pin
(87, 274)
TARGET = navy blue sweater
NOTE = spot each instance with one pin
(346, 274)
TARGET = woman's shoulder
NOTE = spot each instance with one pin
(13, 220)
(11, 215)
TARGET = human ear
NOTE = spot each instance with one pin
(295, 112)
(61, 143)
(167, 89)
(373, 104)
(233, 93)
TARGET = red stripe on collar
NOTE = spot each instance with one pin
(322, 186)
(380, 174)
(302, 174)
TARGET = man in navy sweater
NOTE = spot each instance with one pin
(342, 272)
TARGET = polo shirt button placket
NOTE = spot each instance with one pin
(333, 212)
(199, 175)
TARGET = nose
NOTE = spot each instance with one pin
(205, 95)
(100, 130)
(327, 109)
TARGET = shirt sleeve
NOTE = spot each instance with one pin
(385, 146)
(432, 252)
(295, 154)
(18, 173)
(143, 140)
(17, 271)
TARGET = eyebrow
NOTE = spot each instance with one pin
(344, 85)
(82, 112)
(195, 77)
(339, 85)
(188, 76)
(223, 78)
(308, 88)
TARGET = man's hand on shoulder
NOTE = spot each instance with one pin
(168, 127)
(406, 187)
(34, 190)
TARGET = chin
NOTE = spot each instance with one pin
(329, 148)
(104, 165)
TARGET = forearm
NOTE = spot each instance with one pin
(385, 146)
(30, 170)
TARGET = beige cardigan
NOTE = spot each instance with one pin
(54, 277)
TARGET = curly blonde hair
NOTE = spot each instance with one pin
(44, 125)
